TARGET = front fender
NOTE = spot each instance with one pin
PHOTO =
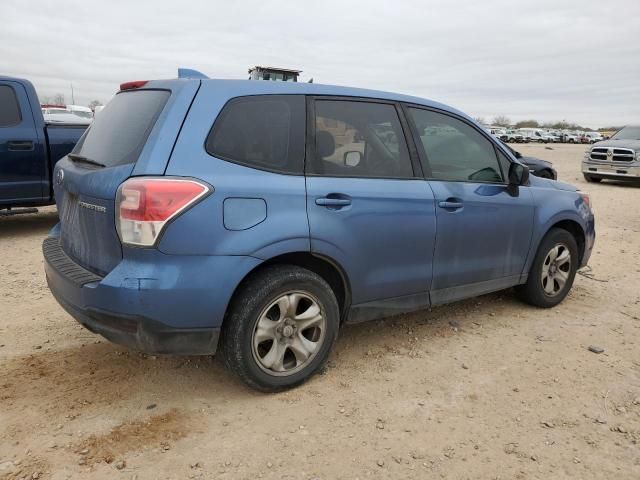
(554, 206)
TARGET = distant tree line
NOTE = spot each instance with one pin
(58, 99)
(503, 121)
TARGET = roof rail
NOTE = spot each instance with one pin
(190, 73)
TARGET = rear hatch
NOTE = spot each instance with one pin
(133, 135)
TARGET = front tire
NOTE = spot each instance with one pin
(280, 328)
(553, 270)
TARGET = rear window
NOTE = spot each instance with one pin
(262, 131)
(118, 134)
(9, 108)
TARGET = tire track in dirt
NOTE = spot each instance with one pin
(159, 431)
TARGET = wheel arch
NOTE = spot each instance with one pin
(327, 268)
(550, 172)
(575, 229)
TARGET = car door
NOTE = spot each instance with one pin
(484, 227)
(22, 156)
(367, 209)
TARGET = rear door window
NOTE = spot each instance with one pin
(9, 108)
(359, 139)
(119, 133)
(266, 132)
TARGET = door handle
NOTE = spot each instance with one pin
(20, 145)
(333, 202)
(451, 204)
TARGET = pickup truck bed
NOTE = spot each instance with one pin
(29, 148)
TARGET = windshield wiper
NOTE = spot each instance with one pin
(80, 159)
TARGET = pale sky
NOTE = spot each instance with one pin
(574, 60)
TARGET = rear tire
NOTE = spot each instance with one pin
(591, 178)
(280, 328)
(553, 270)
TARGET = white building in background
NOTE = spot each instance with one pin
(273, 73)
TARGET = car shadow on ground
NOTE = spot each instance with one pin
(96, 373)
(28, 224)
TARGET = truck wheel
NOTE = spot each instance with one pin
(591, 179)
(280, 328)
(553, 270)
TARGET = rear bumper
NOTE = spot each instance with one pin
(612, 171)
(150, 302)
(144, 334)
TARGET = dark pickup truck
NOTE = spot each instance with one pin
(29, 148)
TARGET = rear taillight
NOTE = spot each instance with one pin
(134, 84)
(145, 205)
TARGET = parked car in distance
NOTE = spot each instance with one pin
(617, 158)
(506, 135)
(496, 131)
(593, 137)
(553, 137)
(63, 115)
(81, 111)
(571, 137)
(538, 167)
(29, 147)
(225, 219)
(513, 136)
(536, 135)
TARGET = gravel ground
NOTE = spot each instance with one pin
(486, 388)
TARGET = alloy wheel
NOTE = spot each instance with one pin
(288, 333)
(556, 270)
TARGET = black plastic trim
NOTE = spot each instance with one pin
(64, 265)
(143, 334)
(388, 307)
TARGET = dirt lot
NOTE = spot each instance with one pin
(487, 388)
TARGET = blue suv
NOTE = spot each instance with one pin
(256, 218)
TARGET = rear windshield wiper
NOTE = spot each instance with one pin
(80, 159)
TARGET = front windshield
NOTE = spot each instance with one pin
(83, 114)
(627, 133)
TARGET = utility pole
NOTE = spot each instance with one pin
(73, 99)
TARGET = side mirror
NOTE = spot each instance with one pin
(352, 158)
(518, 175)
